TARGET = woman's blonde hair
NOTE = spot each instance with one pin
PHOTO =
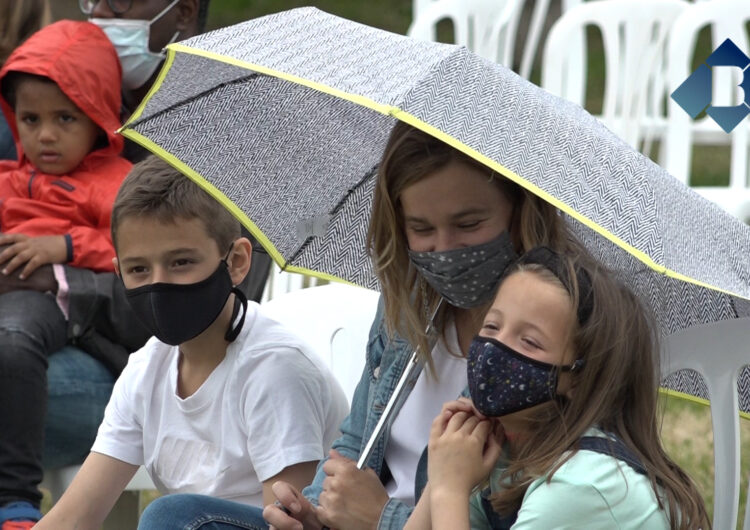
(411, 155)
(616, 391)
(19, 19)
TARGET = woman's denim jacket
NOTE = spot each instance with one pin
(386, 360)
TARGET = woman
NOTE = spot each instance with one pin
(442, 226)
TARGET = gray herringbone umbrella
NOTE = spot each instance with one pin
(284, 119)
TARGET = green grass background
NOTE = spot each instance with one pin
(686, 428)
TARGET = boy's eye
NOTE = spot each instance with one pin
(29, 119)
(137, 269)
(182, 262)
(67, 118)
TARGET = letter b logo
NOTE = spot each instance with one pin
(694, 94)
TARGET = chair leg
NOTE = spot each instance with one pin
(125, 513)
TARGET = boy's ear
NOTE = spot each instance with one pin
(117, 265)
(239, 259)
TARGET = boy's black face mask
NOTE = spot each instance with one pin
(175, 313)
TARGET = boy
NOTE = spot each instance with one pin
(60, 95)
(222, 401)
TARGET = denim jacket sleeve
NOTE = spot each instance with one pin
(372, 392)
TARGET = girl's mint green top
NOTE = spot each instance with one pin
(591, 490)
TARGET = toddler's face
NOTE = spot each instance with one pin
(55, 134)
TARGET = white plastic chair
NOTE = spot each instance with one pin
(335, 320)
(127, 509)
(634, 34)
(280, 282)
(480, 25)
(727, 19)
(533, 34)
(717, 351)
(534, 31)
(417, 6)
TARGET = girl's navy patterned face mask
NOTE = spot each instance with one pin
(503, 381)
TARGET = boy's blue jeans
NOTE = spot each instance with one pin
(199, 512)
(32, 329)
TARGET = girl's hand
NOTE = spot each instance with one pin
(462, 404)
(352, 499)
(33, 251)
(463, 448)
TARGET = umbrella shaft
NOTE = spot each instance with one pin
(403, 388)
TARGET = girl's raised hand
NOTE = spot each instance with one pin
(463, 448)
(462, 404)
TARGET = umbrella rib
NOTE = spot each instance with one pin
(368, 175)
(183, 102)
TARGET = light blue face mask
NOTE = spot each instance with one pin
(130, 39)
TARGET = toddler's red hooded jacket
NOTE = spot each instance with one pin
(80, 59)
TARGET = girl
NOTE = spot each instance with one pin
(565, 368)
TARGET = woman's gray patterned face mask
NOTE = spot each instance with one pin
(466, 277)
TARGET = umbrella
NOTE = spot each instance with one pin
(283, 119)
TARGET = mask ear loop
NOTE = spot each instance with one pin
(164, 12)
(176, 33)
(554, 374)
(240, 300)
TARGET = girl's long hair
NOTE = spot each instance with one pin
(616, 391)
(19, 19)
(411, 155)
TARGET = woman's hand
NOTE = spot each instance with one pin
(463, 448)
(352, 499)
(32, 251)
(295, 512)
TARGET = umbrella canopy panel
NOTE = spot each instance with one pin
(284, 119)
(300, 174)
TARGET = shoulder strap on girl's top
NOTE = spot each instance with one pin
(497, 521)
(612, 446)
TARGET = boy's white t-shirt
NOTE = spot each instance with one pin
(268, 405)
(410, 430)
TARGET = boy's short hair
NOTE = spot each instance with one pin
(13, 80)
(155, 188)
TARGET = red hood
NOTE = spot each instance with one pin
(81, 60)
